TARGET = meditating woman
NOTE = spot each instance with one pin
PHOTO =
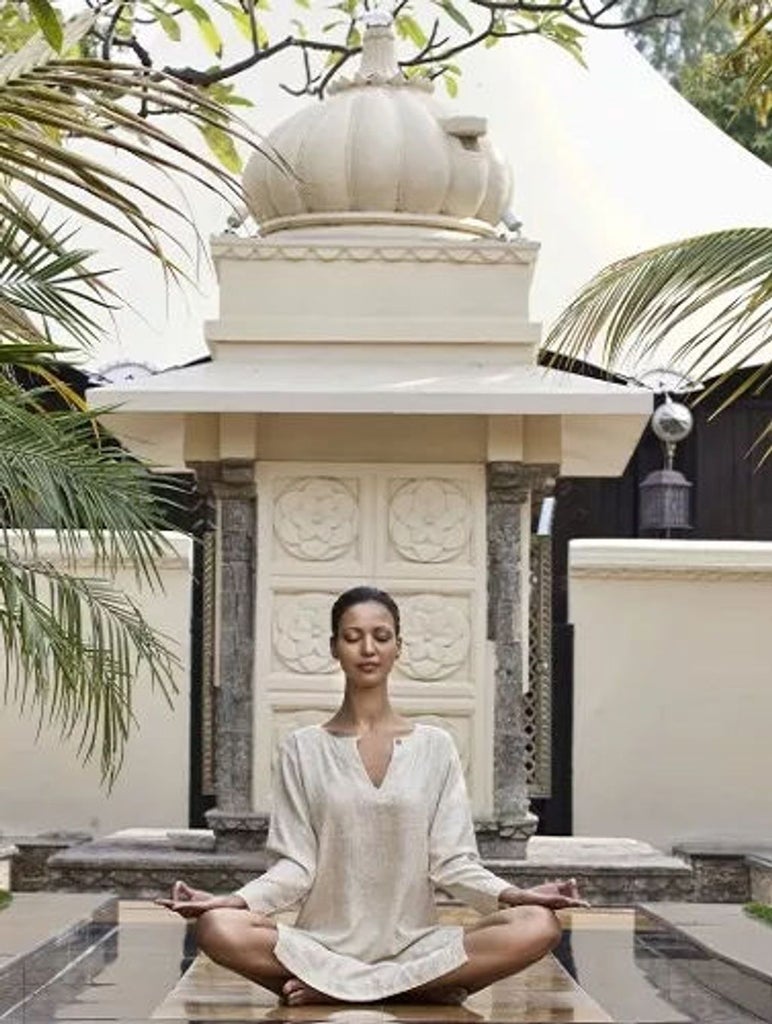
(370, 814)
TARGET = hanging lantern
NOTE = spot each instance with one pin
(664, 501)
(664, 496)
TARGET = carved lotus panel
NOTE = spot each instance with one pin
(317, 518)
(430, 520)
(435, 637)
(301, 633)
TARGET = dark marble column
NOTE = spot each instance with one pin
(230, 485)
(508, 486)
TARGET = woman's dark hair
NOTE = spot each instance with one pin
(361, 595)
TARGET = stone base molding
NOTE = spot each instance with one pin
(234, 832)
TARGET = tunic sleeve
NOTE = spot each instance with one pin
(454, 863)
(291, 843)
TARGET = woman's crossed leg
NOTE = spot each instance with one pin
(497, 946)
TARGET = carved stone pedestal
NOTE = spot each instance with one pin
(236, 831)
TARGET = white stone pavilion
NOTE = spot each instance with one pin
(373, 412)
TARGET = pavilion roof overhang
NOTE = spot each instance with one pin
(361, 388)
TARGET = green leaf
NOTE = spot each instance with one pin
(451, 85)
(206, 26)
(239, 17)
(222, 145)
(48, 20)
(409, 28)
(168, 23)
(300, 29)
(453, 12)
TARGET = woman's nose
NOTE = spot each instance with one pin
(368, 644)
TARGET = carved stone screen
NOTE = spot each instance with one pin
(417, 531)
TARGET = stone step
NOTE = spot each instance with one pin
(739, 965)
(760, 868)
(142, 863)
(44, 934)
(724, 868)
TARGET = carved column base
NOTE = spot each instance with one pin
(500, 840)
(237, 831)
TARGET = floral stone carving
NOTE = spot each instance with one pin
(435, 637)
(316, 519)
(430, 520)
(301, 633)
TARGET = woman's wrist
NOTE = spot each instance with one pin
(511, 897)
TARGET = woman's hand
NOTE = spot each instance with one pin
(191, 903)
(558, 895)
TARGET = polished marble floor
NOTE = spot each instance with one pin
(613, 965)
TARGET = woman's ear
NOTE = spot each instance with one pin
(334, 647)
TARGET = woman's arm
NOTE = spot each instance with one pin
(291, 842)
(454, 862)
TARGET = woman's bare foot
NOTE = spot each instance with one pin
(296, 993)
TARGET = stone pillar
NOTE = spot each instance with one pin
(508, 487)
(230, 485)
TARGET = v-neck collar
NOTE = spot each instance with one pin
(352, 744)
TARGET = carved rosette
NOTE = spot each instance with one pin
(301, 634)
(430, 520)
(435, 637)
(316, 519)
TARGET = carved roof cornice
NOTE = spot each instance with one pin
(495, 253)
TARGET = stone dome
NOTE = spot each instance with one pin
(379, 149)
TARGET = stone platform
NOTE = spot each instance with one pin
(664, 964)
(142, 863)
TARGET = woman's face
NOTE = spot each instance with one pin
(366, 644)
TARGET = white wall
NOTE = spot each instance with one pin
(43, 786)
(672, 689)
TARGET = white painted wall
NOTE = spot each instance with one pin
(672, 689)
(43, 786)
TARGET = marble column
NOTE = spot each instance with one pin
(508, 487)
(230, 485)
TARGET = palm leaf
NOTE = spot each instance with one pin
(45, 100)
(60, 470)
(714, 290)
(73, 647)
(634, 304)
(42, 277)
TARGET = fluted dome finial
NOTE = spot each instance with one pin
(378, 64)
(379, 150)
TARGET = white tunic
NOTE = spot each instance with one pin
(362, 862)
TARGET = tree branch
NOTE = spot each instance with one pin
(437, 48)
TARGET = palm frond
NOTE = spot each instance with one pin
(42, 276)
(45, 101)
(59, 470)
(73, 647)
(715, 289)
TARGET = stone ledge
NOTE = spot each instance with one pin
(740, 968)
(613, 872)
(41, 934)
(7, 854)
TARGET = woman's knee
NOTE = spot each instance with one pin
(541, 922)
(217, 929)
